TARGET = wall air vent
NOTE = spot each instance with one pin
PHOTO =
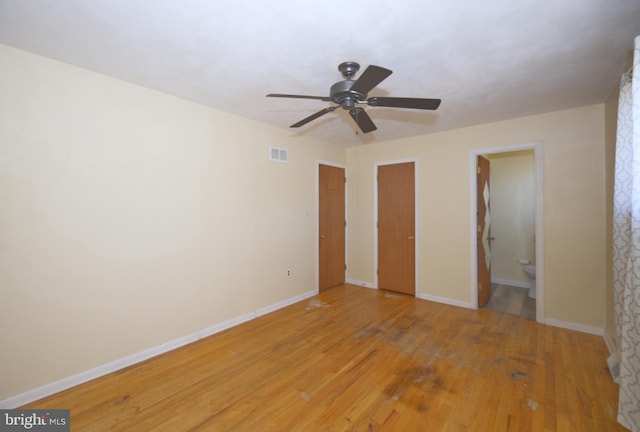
(278, 154)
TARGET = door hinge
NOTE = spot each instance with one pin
(478, 170)
(345, 223)
(479, 228)
(378, 272)
(345, 179)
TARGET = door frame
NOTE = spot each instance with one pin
(375, 219)
(317, 219)
(537, 148)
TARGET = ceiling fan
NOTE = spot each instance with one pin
(349, 93)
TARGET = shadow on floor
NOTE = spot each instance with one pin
(512, 300)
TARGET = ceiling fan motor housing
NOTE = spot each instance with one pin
(342, 94)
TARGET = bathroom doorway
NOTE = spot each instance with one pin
(516, 223)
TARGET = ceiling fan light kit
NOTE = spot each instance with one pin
(349, 92)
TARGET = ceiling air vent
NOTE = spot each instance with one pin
(278, 154)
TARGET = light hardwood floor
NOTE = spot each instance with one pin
(357, 359)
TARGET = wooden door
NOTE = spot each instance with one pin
(483, 231)
(332, 226)
(396, 228)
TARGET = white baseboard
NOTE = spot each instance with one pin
(575, 326)
(507, 282)
(285, 303)
(360, 283)
(611, 346)
(445, 300)
(121, 363)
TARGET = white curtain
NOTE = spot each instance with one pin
(626, 245)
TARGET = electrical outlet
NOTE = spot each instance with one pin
(287, 273)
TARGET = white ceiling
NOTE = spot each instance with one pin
(487, 60)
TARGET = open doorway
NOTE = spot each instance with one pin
(507, 230)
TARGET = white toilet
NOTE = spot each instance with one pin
(530, 270)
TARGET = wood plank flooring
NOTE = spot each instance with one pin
(356, 359)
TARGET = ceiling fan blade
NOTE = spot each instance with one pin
(323, 98)
(371, 77)
(363, 120)
(415, 103)
(312, 117)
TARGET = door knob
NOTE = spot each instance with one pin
(410, 238)
(322, 236)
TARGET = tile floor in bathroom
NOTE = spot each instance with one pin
(512, 300)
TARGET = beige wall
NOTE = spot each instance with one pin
(574, 213)
(130, 218)
(513, 197)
